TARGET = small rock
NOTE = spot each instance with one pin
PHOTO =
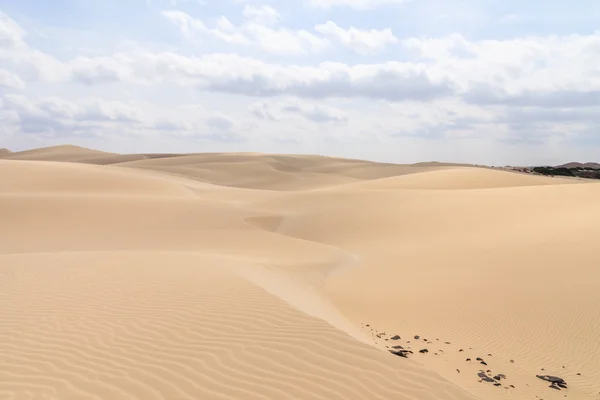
(579, 373)
(468, 359)
(447, 342)
(554, 380)
(395, 337)
(417, 337)
(397, 347)
(479, 359)
(458, 370)
(401, 353)
(460, 350)
(497, 384)
(484, 377)
(482, 363)
(489, 355)
(423, 351)
(512, 386)
(512, 361)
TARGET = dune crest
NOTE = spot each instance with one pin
(244, 275)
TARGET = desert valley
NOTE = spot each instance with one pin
(259, 276)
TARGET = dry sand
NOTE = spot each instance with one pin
(241, 276)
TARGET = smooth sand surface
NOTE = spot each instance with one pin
(242, 276)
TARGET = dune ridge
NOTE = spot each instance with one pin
(236, 276)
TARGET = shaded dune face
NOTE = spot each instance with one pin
(233, 276)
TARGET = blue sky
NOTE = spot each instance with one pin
(488, 81)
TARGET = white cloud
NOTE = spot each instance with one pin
(188, 25)
(261, 14)
(359, 40)
(356, 4)
(256, 30)
(220, 122)
(11, 34)
(485, 71)
(10, 80)
(281, 110)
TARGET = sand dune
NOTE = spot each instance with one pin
(274, 172)
(275, 276)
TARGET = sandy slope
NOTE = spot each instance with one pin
(255, 276)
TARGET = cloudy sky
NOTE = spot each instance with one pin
(483, 81)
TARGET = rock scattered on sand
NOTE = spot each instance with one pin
(468, 359)
(423, 351)
(417, 337)
(447, 343)
(460, 350)
(482, 363)
(555, 381)
(579, 373)
(512, 361)
(397, 347)
(395, 337)
(484, 377)
(401, 353)
(458, 370)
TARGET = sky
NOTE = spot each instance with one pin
(496, 82)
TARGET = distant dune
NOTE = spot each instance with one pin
(590, 165)
(262, 276)
(4, 152)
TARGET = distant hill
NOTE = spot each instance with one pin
(588, 165)
(4, 152)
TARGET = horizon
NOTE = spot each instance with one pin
(11, 152)
(397, 81)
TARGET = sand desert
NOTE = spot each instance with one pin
(262, 276)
